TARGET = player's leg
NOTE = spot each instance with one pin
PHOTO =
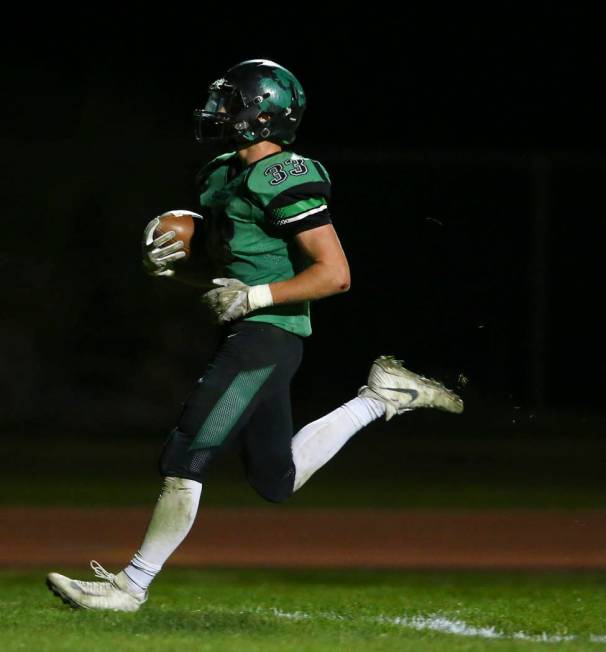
(183, 469)
(212, 414)
(277, 463)
(319, 441)
(216, 410)
(391, 390)
(266, 447)
(255, 357)
(171, 520)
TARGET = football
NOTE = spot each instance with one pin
(183, 223)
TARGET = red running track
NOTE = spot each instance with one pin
(281, 536)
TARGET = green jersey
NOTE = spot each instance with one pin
(251, 217)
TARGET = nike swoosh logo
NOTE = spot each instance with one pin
(414, 395)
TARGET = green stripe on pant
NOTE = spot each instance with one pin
(230, 407)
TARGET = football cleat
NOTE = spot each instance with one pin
(402, 390)
(114, 593)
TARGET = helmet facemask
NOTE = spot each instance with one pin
(229, 117)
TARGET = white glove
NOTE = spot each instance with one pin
(234, 299)
(157, 259)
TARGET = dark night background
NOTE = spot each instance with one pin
(468, 160)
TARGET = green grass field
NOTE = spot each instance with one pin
(312, 611)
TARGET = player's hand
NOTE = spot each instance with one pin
(158, 255)
(233, 299)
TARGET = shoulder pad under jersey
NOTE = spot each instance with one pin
(211, 166)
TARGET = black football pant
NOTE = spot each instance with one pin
(244, 394)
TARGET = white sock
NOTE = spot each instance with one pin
(170, 523)
(320, 440)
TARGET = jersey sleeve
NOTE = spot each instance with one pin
(294, 194)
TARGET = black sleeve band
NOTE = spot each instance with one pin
(311, 222)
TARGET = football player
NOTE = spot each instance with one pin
(267, 231)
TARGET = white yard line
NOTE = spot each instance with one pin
(438, 623)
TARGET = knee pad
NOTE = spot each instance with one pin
(177, 460)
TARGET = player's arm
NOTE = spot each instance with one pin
(327, 274)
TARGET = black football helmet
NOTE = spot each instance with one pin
(256, 100)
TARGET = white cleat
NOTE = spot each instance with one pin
(114, 593)
(402, 390)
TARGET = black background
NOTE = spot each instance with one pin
(468, 167)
